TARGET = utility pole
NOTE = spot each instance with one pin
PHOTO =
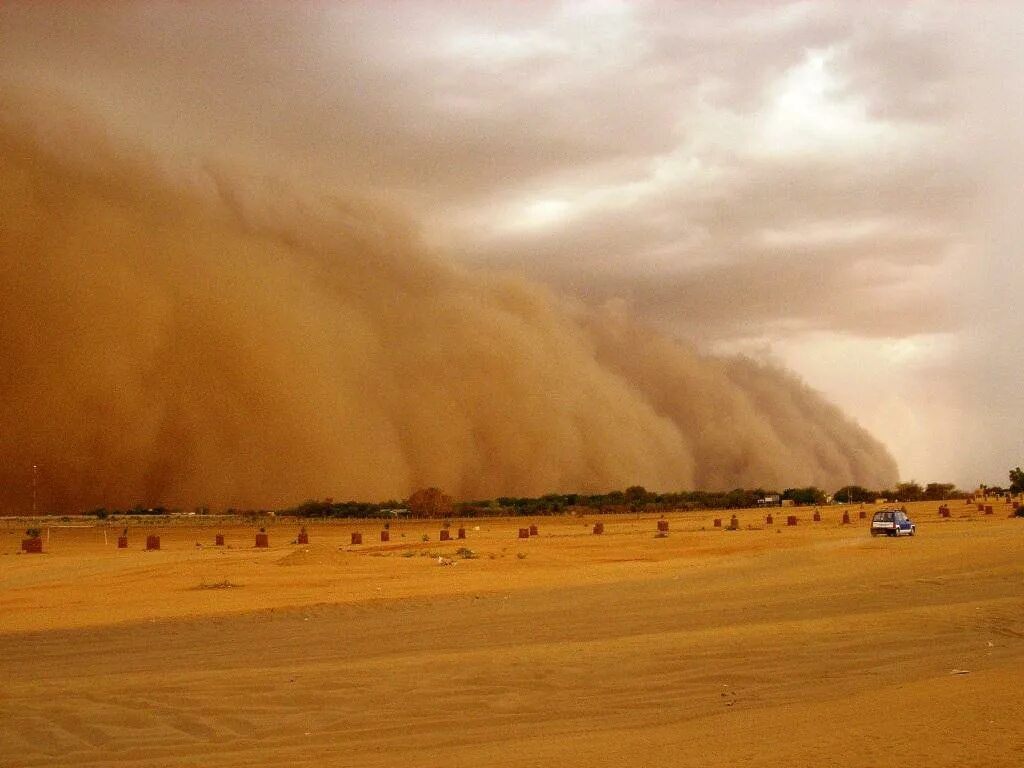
(35, 483)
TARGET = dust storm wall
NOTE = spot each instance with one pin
(182, 337)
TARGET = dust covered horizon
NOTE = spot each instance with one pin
(187, 336)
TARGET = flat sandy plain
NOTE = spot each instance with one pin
(815, 645)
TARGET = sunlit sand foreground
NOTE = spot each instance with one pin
(813, 645)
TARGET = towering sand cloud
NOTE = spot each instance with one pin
(188, 338)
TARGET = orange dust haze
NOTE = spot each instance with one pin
(185, 338)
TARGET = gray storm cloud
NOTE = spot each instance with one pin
(200, 338)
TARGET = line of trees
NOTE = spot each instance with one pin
(910, 491)
(433, 502)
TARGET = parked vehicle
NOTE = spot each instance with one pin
(892, 522)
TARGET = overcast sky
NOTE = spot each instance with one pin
(835, 186)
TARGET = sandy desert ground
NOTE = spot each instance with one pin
(814, 645)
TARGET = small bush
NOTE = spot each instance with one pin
(33, 533)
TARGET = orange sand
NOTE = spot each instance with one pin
(808, 646)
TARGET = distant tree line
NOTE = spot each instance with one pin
(331, 508)
(903, 492)
(103, 513)
(434, 503)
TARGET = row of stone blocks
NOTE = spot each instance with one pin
(385, 535)
(262, 540)
(790, 520)
(36, 544)
(525, 533)
(152, 542)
